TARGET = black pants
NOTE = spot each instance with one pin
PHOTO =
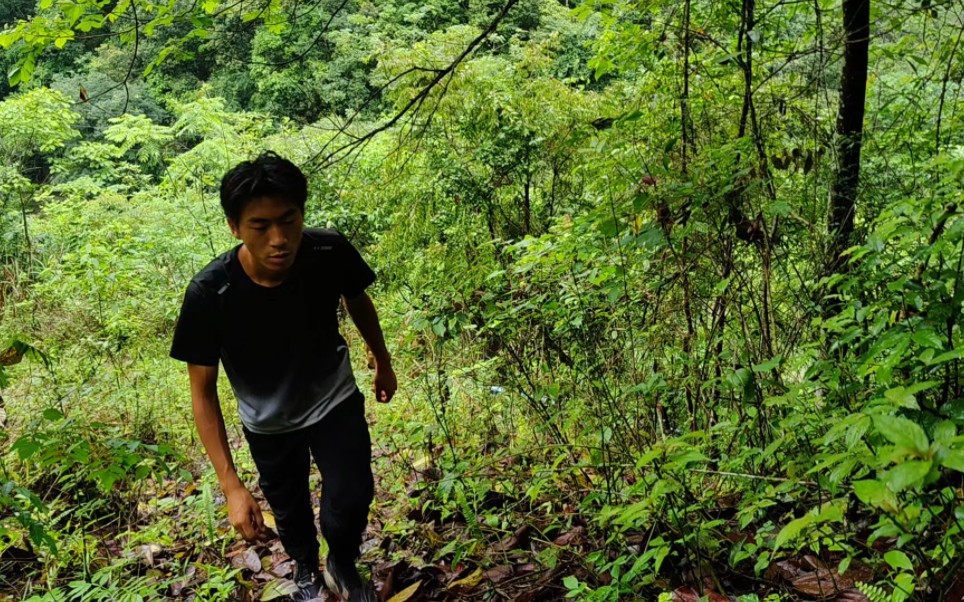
(342, 449)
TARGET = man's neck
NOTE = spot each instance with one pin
(251, 269)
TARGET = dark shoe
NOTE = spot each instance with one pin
(306, 578)
(343, 580)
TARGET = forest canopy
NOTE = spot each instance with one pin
(673, 290)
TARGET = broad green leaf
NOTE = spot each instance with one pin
(898, 560)
(954, 410)
(876, 494)
(947, 356)
(792, 530)
(953, 459)
(26, 447)
(902, 397)
(945, 430)
(928, 338)
(768, 365)
(52, 414)
(278, 589)
(907, 474)
(902, 433)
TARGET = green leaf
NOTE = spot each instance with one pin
(947, 356)
(953, 459)
(902, 433)
(26, 447)
(792, 530)
(73, 12)
(945, 430)
(898, 560)
(278, 589)
(52, 414)
(907, 474)
(902, 397)
(13, 76)
(876, 494)
(768, 365)
(954, 410)
(928, 338)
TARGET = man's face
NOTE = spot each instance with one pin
(270, 229)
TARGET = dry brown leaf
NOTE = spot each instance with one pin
(822, 583)
(573, 538)
(247, 559)
(11, 356)
(784, 570)
(519, 539)
(688, 594)
(499, 573)
(148, 551)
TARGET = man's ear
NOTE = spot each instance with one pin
(234, 228)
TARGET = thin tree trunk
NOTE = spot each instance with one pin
(850, 125)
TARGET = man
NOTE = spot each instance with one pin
(267, 311)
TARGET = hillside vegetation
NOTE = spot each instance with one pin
(673, 290)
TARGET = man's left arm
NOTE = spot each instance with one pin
(363, 314)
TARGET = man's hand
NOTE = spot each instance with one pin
(244, 514)
(362, 312)
(384, 384)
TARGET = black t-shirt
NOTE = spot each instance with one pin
(280, 346)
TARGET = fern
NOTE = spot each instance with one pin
(874, 593)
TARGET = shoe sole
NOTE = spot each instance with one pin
(333, 586)
(367, 596)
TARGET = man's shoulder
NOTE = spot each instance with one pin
(321, 240)
(215, 275)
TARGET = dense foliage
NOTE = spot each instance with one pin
(639, 353)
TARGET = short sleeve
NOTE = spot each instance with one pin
(355, 274)
(197, 339)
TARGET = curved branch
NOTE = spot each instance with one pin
(321, 159)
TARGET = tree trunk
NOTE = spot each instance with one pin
(850, 125)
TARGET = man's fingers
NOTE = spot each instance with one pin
(245, 530)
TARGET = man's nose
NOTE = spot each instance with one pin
(278, 236)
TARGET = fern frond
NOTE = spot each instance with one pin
(874, 593)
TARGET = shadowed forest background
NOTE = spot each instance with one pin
(673, 290)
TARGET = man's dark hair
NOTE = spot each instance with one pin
(267, 176)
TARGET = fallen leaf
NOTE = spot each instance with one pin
(268, 518)
(277, 589)
(784, 570)
(821, 583)
(148, 551)
(11, 356)
(469, 582)
(406, 593)
(499, 573)
(519, 539)
(574, 537)
(688, 594)
(251, 561)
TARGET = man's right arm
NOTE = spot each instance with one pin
(243, 511)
